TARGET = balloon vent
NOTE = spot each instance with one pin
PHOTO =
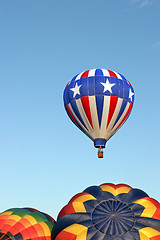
(113, 218)
(4, 236)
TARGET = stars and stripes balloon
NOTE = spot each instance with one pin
(25, 223)
(109, 212)
(99, 101)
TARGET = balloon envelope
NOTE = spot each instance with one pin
(25, 223)
(99, 101)
(109, 212)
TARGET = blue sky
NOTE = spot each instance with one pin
(45, 159)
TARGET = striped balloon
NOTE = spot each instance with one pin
(99, 101)
(25, 223)
(109, 212)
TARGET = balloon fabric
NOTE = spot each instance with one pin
(109, 212)
(25, 223)
(99, 101)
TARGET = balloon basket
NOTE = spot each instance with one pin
(100, 153)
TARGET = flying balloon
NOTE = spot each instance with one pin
(25, 223)
(99, 101)
(109, 212)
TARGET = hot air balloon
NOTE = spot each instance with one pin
(109, 212)
(99, 101)
(25, 223)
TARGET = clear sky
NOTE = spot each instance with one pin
(44, 158)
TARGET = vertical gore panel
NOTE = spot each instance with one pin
(71, 115)
(77, 112)
(113, 103)
(123, 106)
(125, 117)
(98, 72)
(99, 103)
(85, 74)
(112, 74)
(86, 106)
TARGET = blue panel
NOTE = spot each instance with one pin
(71, 93)
(126, 88)
(120, 93)
(137, 209)
(115, 88)
(123, 106)
(98, 72)
(133, 195)
(97, 236)
(65, 96)
(95, 191)
(73, 79)
(150, 222)
(75, 108)
(92, 234)
(131, 235)
(98, 86)
(89, 205)
(84, 89)
(91, 86)
(122, 77)
(99, 104)
(131, 100)
(99, 143)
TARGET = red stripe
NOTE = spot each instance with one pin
(122, 185)
(85, 74)
(157, 205)
(25, 234)
(112, 74)
(125, 117)
(155, 238)
(2, 222)
(77, 195)
(68, 83)
(86, 106)
(108, 184)
(71, 115)
(9, 228)
(66, 210)
(115, 186)
(129, 83)
(19, 226)
(113, 103)
(157, 214)
(152, 200)
(66, 235)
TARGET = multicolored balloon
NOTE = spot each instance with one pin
(25, 223)
(99, 101)
(109, 212)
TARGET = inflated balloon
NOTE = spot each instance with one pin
(109, 212)
(25, 223)
(99, 101)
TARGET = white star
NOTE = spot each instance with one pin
(108, 86)
(130, 94)
(76, 90)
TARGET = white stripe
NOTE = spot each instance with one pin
(84, 129)
(118, 76)
(84, 117)
(105, 114)
(91, 73)
(105, 73)
(115, 114)
(79, 76)
(94, 115)
(121, 118)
